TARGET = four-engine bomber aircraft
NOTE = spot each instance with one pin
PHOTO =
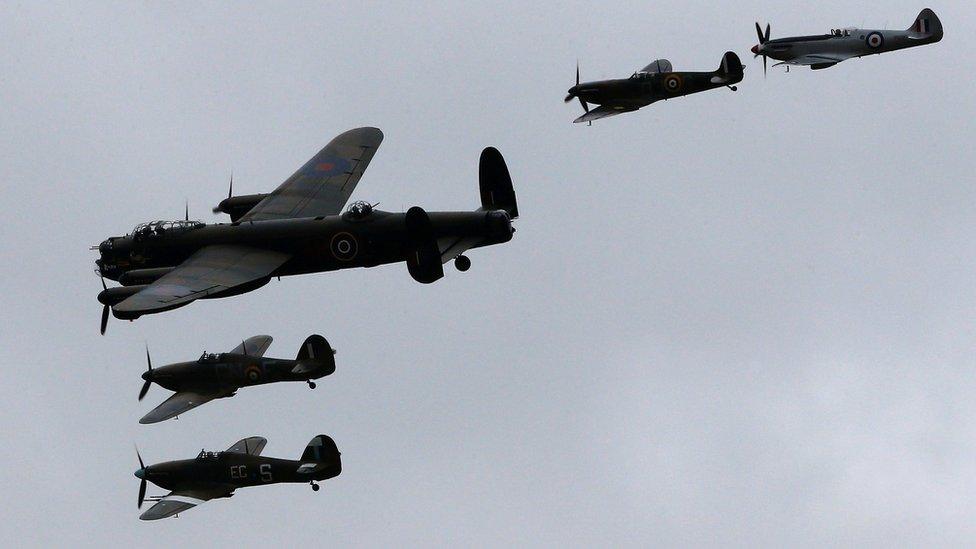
(217, 474)
(221, 375)
(826, 50)
(652, 83)
(299, 229)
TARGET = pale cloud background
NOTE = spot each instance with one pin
(729, 319)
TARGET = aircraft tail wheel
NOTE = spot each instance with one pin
(462, 263)
(315, 487)
(311, 384)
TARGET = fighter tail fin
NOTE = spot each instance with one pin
(731, 65)
(322, 449)
(927, 26)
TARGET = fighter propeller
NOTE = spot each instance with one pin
(146, 376)
(763, 38)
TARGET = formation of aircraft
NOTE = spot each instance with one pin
(301, 228)
(213, 475)
(297, 229)
(220, 375)
(826, 50)
(653, 83)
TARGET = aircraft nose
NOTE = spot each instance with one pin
(146, 375)
(140, 473)
(755, 49)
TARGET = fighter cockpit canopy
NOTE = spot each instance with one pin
(160, 227)
(205, 455)
(209, 357)
(659, 66)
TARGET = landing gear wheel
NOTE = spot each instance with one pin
(315, 487)
(462, 263)
(311, 384)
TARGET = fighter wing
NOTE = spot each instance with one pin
(827, 59)
(253, 346)
(602, 111)
(323, 185)
(181, 499)
(249, 445)
(179, 403)
(213, 269)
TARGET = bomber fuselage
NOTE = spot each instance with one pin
(316, 244)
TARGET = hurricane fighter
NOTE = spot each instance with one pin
(220, 375)
(653, 83)
(299, 228)
(213, 475)
(826, 50)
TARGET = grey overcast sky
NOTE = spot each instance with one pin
(730, 319)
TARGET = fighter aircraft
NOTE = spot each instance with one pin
(297, 229)
(214, 475)
(826, 50)
(220, 375)
(652, 83)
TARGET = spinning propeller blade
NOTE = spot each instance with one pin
(142, 482)
(104, 323)
(148, 383)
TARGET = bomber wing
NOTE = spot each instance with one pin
(181, 499)
(603, 111)
(323, 185)
(213, 269)
(179, 403)
(249, 445)
(253, 346)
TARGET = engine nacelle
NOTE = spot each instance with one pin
(118, 294)
(137, 277)
(237, 206)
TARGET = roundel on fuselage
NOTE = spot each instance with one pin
(344, 246)
(672, 83)
(252, 373)
(875, 40)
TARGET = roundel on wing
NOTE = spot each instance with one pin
(672, 83)
(325, 165)
(344, 246)
(875, 40)
(252, 373)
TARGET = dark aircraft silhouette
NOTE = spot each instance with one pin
(826, 50)
(214, 475)
(221, 375)
(652, 83)
(298, 229)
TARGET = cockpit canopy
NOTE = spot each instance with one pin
(205, 455)
(659, 66)
(161, 227)
(209, 357)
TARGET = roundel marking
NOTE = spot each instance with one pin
(344, 246)
(252, 373)
(672, 83)
(875, 40)
(325, 165)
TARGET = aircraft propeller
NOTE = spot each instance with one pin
(105, 309)
(763, 38)
(570, 97)
(142, 483)
(147, 376)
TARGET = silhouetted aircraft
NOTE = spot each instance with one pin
(219, 375)
(654, 82)
(826, 50)
(214, 475)
(298, 229)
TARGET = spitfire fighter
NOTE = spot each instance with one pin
(826, 50)
(220, 375)
(299, 228)
(653, 83)
(214, 475)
